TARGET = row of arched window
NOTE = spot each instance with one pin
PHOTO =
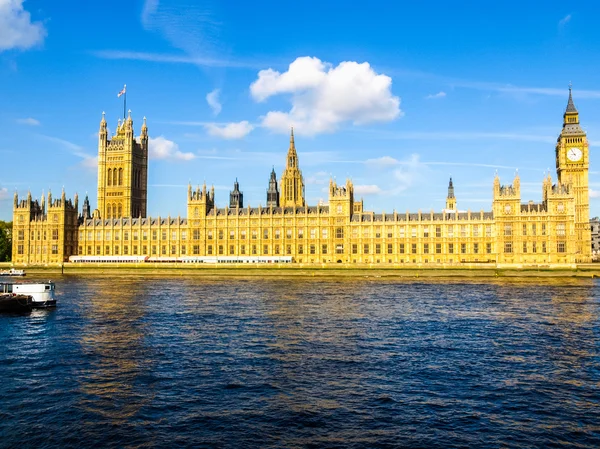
(137, 178)
(114, 177)
(114, 211)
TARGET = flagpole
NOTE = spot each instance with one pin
(124, 101)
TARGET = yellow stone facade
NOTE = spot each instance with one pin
(554, 231)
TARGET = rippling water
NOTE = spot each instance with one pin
(178, 362)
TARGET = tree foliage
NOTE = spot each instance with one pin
(5, 241)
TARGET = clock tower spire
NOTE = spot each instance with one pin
(572, 165)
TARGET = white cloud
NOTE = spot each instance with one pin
(369, 189)
(161, 148)
(407, 174)
(440, 94)
(28, 121)
(318, 178)
(324, 96)
(382, 161)
(16, 28)
(562, 22)
(212, 98)
(230, 130)
(88, 162)
(150, 7)
(3, 193)
(594, 193)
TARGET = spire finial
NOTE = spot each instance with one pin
(292, 144)
(570, 105)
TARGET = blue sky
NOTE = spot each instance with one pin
(396, 95)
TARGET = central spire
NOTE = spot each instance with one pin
(292, 160)
(292, 184)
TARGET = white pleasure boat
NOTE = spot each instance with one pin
(42, 293)
(12, 272)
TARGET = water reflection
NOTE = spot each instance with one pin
(115, 378)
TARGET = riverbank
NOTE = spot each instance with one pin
(314, 270)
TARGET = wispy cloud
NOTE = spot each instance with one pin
(440, 94)
(367, 189)
(594, 193)
(28, 121)
(318, 178)
(462, 135)
(230, 130)
(562, 22)
(212, 98)
(512, 89)
(4, 193)
(175, 59)
(88, 162)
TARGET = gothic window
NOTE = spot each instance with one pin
(120, 178)
(120, 212)
(115, 179)
(109, 177)
(196, 213)
(339, 208)
(108, 210)
(339, 233)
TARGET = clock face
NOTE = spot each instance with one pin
(574, 154)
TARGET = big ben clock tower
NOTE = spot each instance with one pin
(572, 165)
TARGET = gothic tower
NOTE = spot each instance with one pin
(122, 171)
(236, 198)
(273, 191)
(572, 165)
(450, 199)
(292, 183)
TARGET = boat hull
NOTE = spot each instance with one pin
(10, 303)
(43, 304)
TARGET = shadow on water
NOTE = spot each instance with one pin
(225, 362)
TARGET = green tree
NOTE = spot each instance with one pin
(5, 241)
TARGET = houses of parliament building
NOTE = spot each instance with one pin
(553, 231)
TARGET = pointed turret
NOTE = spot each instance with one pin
(16, 199)
(292, 161)
(570, 105)
(450, 199)
(571, 117)
(236, 198)
(86, 212)
(273, 191)
(450, 189)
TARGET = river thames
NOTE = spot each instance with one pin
(242, 363)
